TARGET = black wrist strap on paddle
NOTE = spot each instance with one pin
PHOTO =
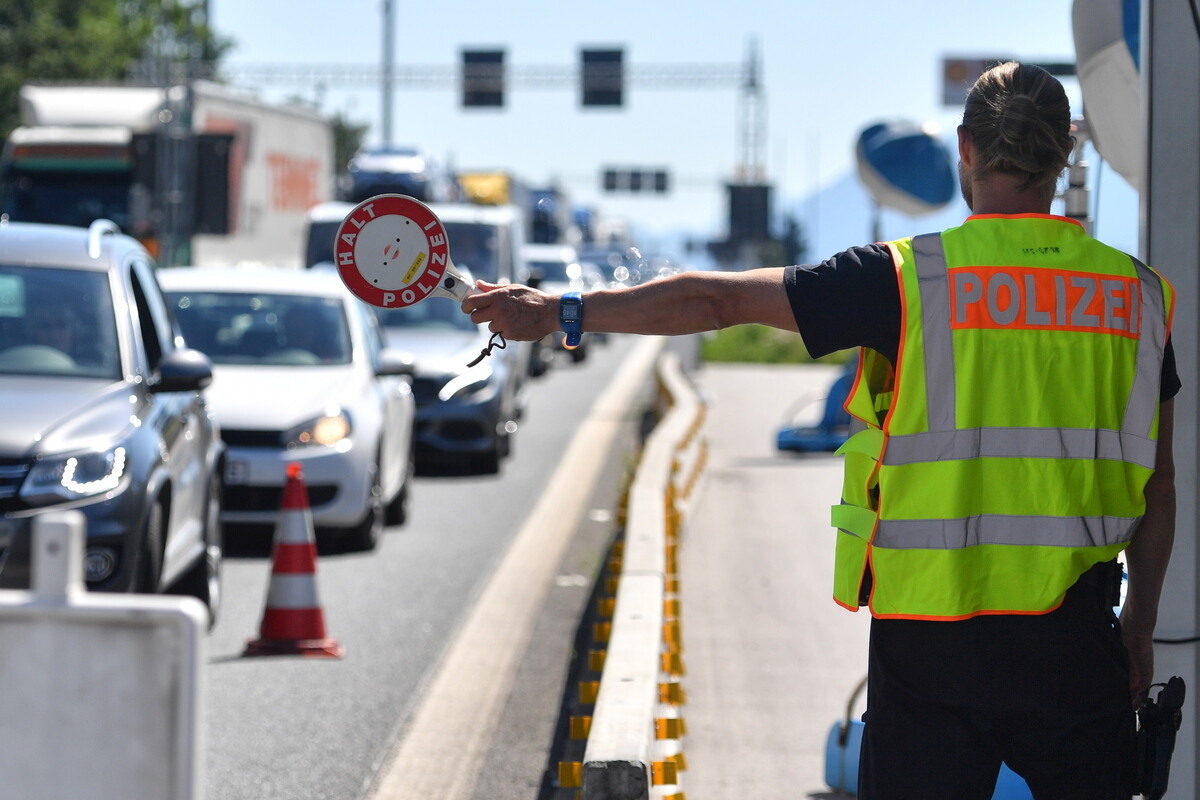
(497, 342)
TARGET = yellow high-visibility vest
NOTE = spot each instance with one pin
(1008, 450)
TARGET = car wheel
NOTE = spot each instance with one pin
(365, 535)
(504, 443)
(537, 362)
(203, 579)
(150, 553)
(488, 462)
(397, 510)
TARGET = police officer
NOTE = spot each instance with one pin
(1016, 392)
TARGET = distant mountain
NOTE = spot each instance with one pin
(843, 215)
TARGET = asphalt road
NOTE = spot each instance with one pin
(290, 728)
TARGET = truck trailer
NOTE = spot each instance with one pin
(233, 186)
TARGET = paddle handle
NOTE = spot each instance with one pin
(456, 283)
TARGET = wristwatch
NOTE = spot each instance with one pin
(570, 318)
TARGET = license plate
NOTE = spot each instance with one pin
(236, 472)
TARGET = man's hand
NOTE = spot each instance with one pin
(516, 312)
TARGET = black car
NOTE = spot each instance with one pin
(104, 411)
(465, 414)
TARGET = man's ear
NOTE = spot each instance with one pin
(966, 147)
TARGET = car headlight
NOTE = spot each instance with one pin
(74, 477)
(472, 380)
(327, 430)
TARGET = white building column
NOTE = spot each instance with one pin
(1170, 242)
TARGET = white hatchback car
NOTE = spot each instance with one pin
(300, 373)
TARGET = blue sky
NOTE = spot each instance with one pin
(830, 69)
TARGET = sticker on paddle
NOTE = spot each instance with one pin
(392, 251)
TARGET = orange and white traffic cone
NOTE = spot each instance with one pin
(292, 623)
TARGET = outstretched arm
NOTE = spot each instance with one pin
(689, 302)
(1146, 558)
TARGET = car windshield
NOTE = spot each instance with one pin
(433, 313)
(555, 271)
(610, 262)
(75, 197)
(319, 248)
(263, 328)
(57, 321)
(475, 246)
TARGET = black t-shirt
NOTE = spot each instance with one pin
(853, 300)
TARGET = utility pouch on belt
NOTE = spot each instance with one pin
(1158, 721)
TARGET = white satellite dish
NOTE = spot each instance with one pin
(1107, 36)
(905, 167)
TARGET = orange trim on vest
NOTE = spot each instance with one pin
(846, 606)
(960, 617)
(1054, 217)
(858, 371)
(1170, 311)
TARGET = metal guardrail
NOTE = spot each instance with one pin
(634, 748)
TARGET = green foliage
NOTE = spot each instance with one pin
(93, 41)
(761, 344)
(347, 140)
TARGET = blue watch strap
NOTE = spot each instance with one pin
(570, 317)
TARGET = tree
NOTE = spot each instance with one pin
(347, 140)
(95, 41)
(795, 243)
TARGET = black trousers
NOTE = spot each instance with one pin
(1048, 695)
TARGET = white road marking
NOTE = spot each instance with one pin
(462, 704)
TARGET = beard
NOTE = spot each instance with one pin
(964, 185)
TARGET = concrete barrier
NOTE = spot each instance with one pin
(101, 692)
(634, 741)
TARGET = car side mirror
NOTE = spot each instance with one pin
(182, 370)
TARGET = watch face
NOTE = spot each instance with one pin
(569, 312)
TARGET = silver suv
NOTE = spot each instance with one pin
(104, 411)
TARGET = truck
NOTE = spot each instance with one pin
(547, 208)
(201, 175)
(398, 170)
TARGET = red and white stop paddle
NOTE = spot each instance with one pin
(392, 251)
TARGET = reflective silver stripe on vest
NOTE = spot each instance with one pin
(1139, 414)
(1020, 443)
(954, 534)
(934, 285)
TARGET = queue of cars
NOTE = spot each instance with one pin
(167, 404)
